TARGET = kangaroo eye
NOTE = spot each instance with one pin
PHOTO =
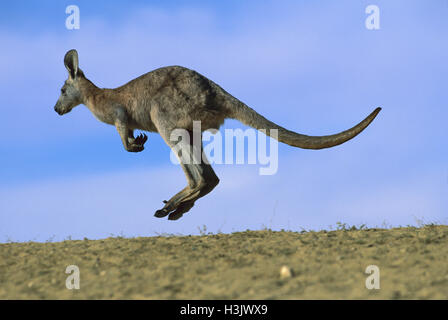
(63, 91)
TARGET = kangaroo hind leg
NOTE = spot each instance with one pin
(205, 181)
(200, 177)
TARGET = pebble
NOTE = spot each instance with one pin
(285, 272)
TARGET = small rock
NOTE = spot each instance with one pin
(102, 273)
(285, 272)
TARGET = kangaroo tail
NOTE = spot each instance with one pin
(241, 112)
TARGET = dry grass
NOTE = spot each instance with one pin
(242, 265)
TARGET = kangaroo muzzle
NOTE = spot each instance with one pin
(60, 109)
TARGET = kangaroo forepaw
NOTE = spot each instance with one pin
(137, 144)
(133, 147)
(141, 139)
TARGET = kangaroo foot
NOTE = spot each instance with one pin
(176, 212)
(181, 209)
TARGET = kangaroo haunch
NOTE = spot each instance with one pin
(172, 98)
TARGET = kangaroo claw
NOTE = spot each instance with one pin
(141, 139)
(161, 213)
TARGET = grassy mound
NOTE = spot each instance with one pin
(243, 265)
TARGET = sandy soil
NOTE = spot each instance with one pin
(245, 265)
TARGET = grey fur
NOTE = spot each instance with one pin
(173, 97)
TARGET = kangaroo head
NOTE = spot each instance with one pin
(70, 92)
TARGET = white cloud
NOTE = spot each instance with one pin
(306, 193)
(336, 68)
(310, 69)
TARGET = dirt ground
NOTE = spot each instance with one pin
(244, 265)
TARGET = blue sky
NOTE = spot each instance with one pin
(311, 68)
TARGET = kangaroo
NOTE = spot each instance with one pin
(172, 98)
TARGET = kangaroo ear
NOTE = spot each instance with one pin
(71, 63)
